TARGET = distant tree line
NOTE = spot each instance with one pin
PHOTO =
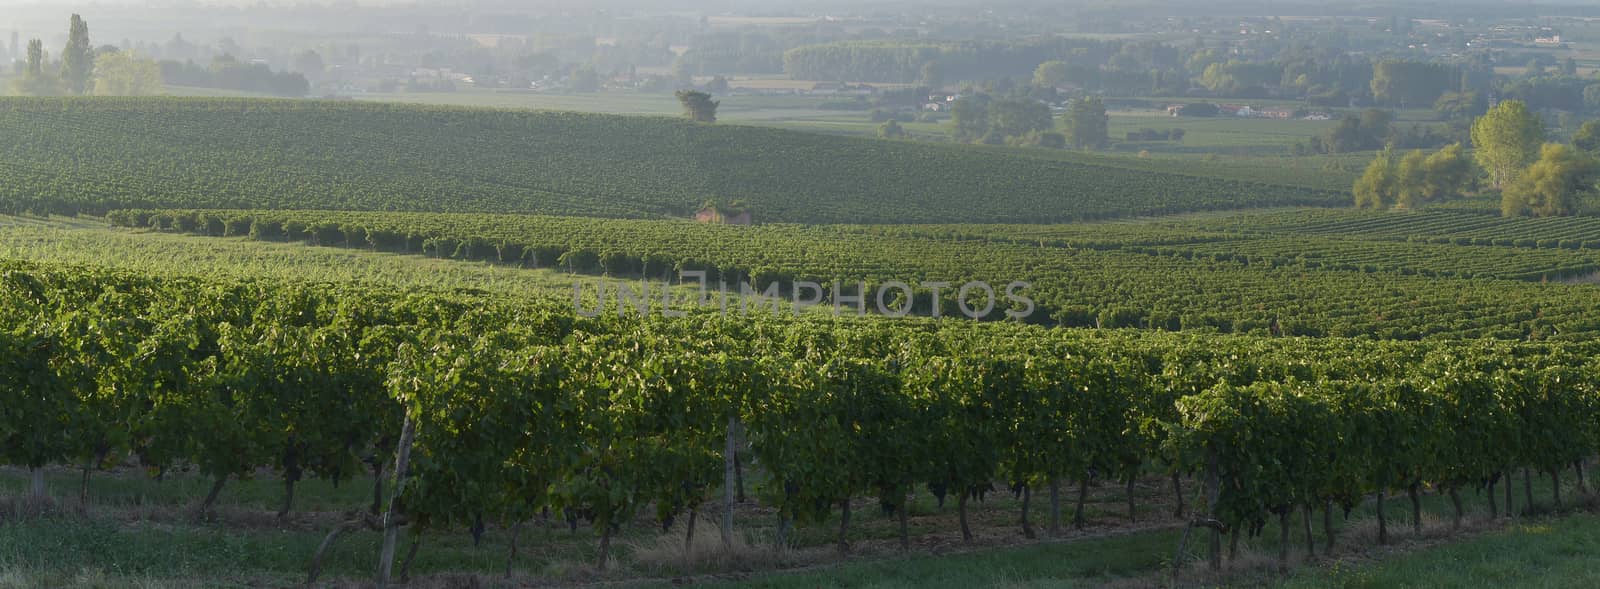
(744, 52)
(1322, 75)
(982, 118)
(1534, 177)
(1131, 68)
(1374, 129)
(1415, 180)
(74, 75)
(228, 73)
(1020, 120)
(909, 62)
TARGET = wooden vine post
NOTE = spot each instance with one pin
(391, 519)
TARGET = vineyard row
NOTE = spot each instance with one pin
(1167, 281)
(500, 411)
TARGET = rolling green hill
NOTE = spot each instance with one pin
(92, 155)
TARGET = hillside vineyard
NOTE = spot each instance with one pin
(512, 407)
(788, 294)
(1109, 276)
(77, 155)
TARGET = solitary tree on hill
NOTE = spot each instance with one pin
(891, 129)
(698, 106)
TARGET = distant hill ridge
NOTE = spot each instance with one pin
(96, 154)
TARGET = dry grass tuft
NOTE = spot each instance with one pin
(668, 554)
(18, 508)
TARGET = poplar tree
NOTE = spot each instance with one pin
(1506, 139)
(34, 81)
(1376, 187)
(77, 60)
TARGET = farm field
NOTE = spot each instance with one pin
(1225, 135)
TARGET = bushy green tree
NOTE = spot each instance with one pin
(1550, 187)
(124, 74)
(1591, 97)
(1376, 187)
(1087, 123)
(1051, 74)
(1410, 83)
(1587, 137)
(1446, 173)
(1019, 116)
(981, 118)
(1237, 77)
(969, 117)
(1460, 105)
(891, 129)
(1369, 130)
(698, 106)
(1505, 139)
(1410, 179)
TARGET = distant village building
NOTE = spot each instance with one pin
(1237, 110)
(939, 102)
(715, 216)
